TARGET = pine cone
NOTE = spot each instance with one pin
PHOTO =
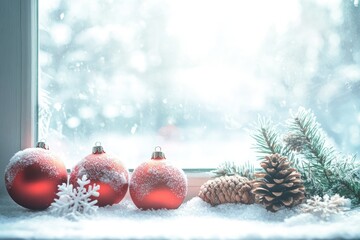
(227, 189)
(280, 185)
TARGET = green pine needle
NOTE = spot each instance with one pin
(318, 156)
(323, 169)
(246, 169)
(347, 169)
(267, 139)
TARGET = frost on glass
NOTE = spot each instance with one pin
(192, 76)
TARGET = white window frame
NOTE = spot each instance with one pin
(29, 72)
(18, 74)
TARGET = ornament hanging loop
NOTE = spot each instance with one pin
(98, 149)
(158, 154)
(42, 144)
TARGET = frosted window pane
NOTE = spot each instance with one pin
(192, 76)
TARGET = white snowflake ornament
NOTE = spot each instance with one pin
(76, 202)
(326, 206)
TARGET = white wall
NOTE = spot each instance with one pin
(17, 61)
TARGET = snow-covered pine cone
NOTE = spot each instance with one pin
(280, 185)
(227, 189)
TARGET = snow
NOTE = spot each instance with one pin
(152, 173)
(61, 34)
(22, 159)
(195, 219)
(106, 168)
(73, 122)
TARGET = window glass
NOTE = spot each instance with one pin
(192, 76)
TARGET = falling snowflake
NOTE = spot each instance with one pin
(75, 202)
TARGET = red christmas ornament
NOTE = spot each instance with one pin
(157, 184)
(104, 170)
(33, 175)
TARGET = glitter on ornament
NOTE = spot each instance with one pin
(157, 184)
(32, 177)
(105, 170)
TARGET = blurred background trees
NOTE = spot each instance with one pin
(193, 75)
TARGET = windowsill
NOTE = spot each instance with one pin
(195, 180)
(195, 219)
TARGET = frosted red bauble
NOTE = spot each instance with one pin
(32, 177)
(105, 170)
(157, 184)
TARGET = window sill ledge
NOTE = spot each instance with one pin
(195, 219)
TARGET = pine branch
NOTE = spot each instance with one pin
(318, 155)
(267, 139)
(245, 169)
(347, 171)
(325, 171)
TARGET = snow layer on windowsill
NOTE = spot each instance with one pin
(195, 219)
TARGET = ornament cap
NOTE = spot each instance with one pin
(98, 149)
(42, 145)
(158, 154)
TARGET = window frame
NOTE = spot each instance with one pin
(18, 74)
(29, 72)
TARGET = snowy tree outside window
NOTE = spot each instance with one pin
(192, 76)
